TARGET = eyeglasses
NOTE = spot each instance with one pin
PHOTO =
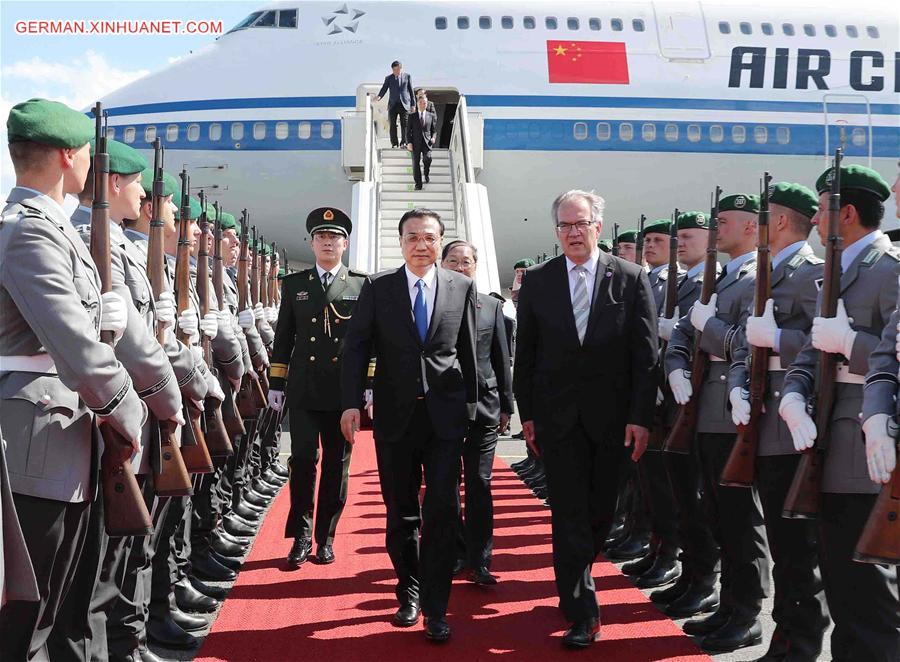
(581, 226)
(413, 239)
(453, 262)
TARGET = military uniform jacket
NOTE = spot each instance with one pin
(881, 380)
(255, 347)
(658, 282)
(869, 291)
(309, 337)
(492, 359)
(795, 286)
(226, 349)
(735, 294)
(47, 422)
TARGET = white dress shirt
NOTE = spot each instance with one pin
(590, 276)
(334, 272)
(429, 290)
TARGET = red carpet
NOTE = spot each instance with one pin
(341, 612)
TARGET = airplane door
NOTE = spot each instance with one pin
(681, 31)
(848, 121)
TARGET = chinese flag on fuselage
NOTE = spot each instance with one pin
(587, 62)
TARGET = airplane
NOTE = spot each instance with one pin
(671, 99)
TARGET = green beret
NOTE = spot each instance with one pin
(262, 248)
(195, 208)
(856, 177)
(281, 273)
(524, 263)
(661, 226)
(49, 123)
(794, 196)
(693, 219)
(228, 221)
(123, 159)
(740, 202)
(331, 219)
(604, 246)
(171, 186)
(629, 237)
(210, 212)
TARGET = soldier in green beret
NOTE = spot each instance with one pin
(57, 375)
(627, 245)
(518, 273)
(305, 376)
(604, 246)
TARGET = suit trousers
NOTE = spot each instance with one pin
(423, 562)
(308, 430)
(395, 111)
(477, 527)
(657, 493)
(421, 158)
(582, 479)
(862, 597)
(736, 521)
(55, 533)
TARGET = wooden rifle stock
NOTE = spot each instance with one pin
(880, 539)
(125, 512)
(804, 494)
(740, 469)
(245, 397)
(681, 437)
(260, 386)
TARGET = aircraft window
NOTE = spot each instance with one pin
(506, 22)
(858, 137)
(111, 133)
(626, 131)
(671, 132)
(809, 30)
(738, 134)
(716, 133)
(528, 22)
(594, 24)
(580, 131)
(237, 131)
(281, 130)
(149, 134)
(648, 132)
(247, 21)
(462, 22)
(327, 130)
(783, 135)
(745, 28)
(259, 130)
(852, 32)
(637, 24)
(193, 132)
(831, 31)
(767, 29)
(287, 18)
(788, 29)
(616, 24)
(572, 23)
(172, 133)
(440, 23)
(129, 135)
(693, 133)
(872, 31)
(215, 131)
(603, 131)
(760, 135)
(267, 20)
(724, 27)
(304, 130)
(550, 22)
(484, 22)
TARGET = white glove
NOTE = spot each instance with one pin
(246, 319)
(369, 397)
(740, 406)
(761, 331)
(680, 384)
(276, 399)
(833, 334)
(197, 353)
(258, 312)
(881, 448)
(701, 313)
(225, 319)
(272, 314)
(214, 388)
(659, 397)
(189, 324)
(803, 429)
(666, 324)
(209, 325)
(165, 310)
(113, 315)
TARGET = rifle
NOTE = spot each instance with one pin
(802, 501)
(273, 277)
(125, 512)
(171, 477)
(740, 469)
(216, 437)
(682, 435)
(263, 274)
(196, 456)
(250, 391)
(259, 395)
(615, 246)
(639, 242)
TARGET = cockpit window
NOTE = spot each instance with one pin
(287, 18)
(247, 21)
(267, 20)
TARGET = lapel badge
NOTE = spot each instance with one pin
(303, 296)
(609, 274)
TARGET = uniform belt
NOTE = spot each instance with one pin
(718, 359)
(844, 376)
(41, 363)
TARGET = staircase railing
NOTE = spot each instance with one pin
(365, 247)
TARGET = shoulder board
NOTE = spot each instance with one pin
(797, 260)
(358, 274)
(814, 259)
(747, 267)
(872, 256)
(663, 275)
(894, 252)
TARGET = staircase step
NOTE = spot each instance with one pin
(417, 196)
(407, 178)
(389, 188)
(437, 205)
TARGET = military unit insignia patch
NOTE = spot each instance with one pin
(302, 296)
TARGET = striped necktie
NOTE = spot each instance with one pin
(580, 306)
(325, 278)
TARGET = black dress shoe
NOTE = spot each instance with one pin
(482, 577)
(633, 547)
(243, 541)
(190, 599)
(187, 622)
(166, 632)
(663, 571)
(299, 552)
(246, 513)
(709, 624)
(251, 506)
(225, 548)
(582, 634)
(521, 465)
(673, 592)
(205, 567)
(324, 555)
(280, 469)
(256, 499)
(407, 615)
(235, 528)
(639, 567)
(214, 592)
(264, 488)
(226, 561)
(240, 520)
(733, 635)
(696, 600)
(273, 478)
(427, 179)
(437, 629)
(146, 655)
(458, 566)
(418, 187)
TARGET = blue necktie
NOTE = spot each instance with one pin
(420, 312)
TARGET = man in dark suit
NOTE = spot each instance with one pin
(419, 323)
(495, 406)
(586, 351)
(420, 138)
(400, 100)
